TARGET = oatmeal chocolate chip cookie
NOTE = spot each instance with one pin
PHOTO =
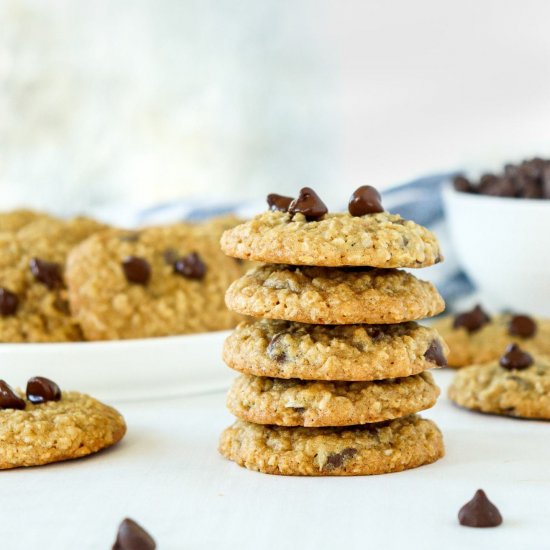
(158, 281)
(360, 450)
(477, 343)
(519, 388)
(326, 296)
(72, 427)
(315, 404)
(283, 349)
(14, 220)
(378, 240)
(33, 297)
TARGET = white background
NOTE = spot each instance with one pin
(147, 101)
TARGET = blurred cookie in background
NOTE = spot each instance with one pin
(156, 281)
(33, 295)
(477, 337)
(13, 220)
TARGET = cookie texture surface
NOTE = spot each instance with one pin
(283, 349)
(168, 300)
(333, 296)
(73, 427)
(492, 389)
(378, 240)
(488, 343)
(32, 264)
(316, 404)
(14, 220)
(369, 449)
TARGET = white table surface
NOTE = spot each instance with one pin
(168, 476)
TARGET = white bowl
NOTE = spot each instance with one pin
(503, 244)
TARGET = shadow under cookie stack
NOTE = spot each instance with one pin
(334, 366)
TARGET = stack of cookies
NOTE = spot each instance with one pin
(334, 367)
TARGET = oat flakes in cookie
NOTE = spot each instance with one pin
(366, 236)
(312, 403)
(48, 425)
(518, 384)
(370, 449)
(476, 337)
(157, 281)
(283, 349)
(323, 295)
(33, 296)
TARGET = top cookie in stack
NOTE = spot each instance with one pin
(320, 399)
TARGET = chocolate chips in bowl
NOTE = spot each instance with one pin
(499, 224)
(528, 180)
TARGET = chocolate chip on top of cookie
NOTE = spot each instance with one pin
(136, 270)
(309, 204)
(522, 326)
(9, 399)
(515, 358)
(365, 200)
(41, 390)
(472, 320)
(278, 202)
(435, 354)
(9, 302)
(190, 266)
(47, 273)
(131, 536)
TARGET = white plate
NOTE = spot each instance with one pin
(124, 369)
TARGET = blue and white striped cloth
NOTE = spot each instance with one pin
(418, 200)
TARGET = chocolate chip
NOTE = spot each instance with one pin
(273, 349)
(472, 320)
(522, 326)
(132, 536)
(41, 390)
(309, 204)
(48, 273)
(337, 460)
(528, 180)
(136, 270)
(479, 512)
(365, 200)
(9, 302)
(515, 358)
(460, 183)
(190, 266)
(435, 354)
(9, 399)
(278, 202)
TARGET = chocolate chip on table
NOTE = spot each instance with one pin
(9, 399)
(479, 512)
(522, 326)
(136, 270)
(515, 358)
(278, 202)
(47, 273)
(190, 266)
(131, 536)
(9, 302)
(41, 390)
(309, 204)
(472, 320)
(365, 200)
(435, 354)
